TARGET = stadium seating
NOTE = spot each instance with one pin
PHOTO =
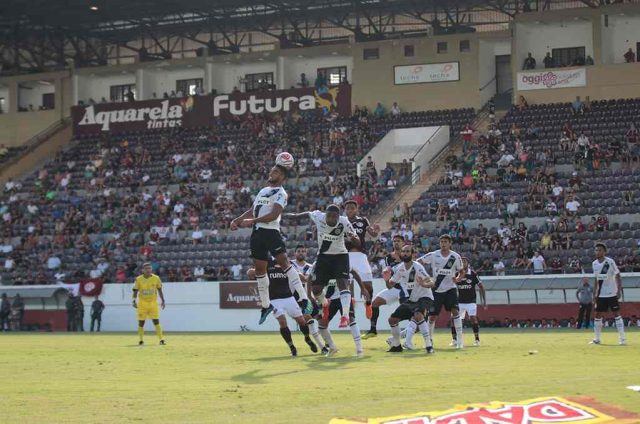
(103, 205)
(603, 176)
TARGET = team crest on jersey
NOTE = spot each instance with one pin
(532, 411)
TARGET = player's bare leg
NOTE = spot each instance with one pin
(476, 330)
(375, 313)
(324, 323)
(156, 324)
(286, 335)
(368, 285)
(293, 276)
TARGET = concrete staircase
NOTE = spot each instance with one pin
(412, 192)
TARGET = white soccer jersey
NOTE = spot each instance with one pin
(264, 203)
(443, 268)
(605, 273)
(407, 280)
(303, 269)
(331, 239)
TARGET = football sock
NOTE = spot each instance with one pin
(597, 328)
(263, 290)
(620, 326)
(453, 331)
(355, 333)
(432, 327)
(305, 330)
(158, 331)
(294, 280)
(457, 322)
(476, 331)
(410, 331)
(286, 335)
(326, 335)
(345, 301)
(395, 333)
(424, 330)
(141, 333)
(313, 329)
(375, 313)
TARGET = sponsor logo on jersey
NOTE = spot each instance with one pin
(533, 411)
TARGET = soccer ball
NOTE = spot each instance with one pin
(285, 159)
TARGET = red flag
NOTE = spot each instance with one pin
(91, 287)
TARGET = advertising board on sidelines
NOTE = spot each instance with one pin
(426, 73)
(239, 295)
(544, 80)
(202, 111)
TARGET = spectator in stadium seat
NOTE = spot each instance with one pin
(548, 61)
(198, 273)
(395, 110)
(522, 103)
(498, 267)
(304, 82)
(630, 56)
(572, 206)
(555, 264)
(632, 134)
(537, 263)
(529, 62)
(602, 222)
(511, 211)
(379, 111)
(577, 107)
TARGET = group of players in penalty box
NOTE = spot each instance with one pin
(341, 259)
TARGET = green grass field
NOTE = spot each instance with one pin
(250, 378)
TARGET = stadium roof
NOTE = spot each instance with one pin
(43, 34)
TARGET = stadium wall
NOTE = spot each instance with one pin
(196, 306)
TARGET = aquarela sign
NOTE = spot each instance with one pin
(532, 411)
(202, 111)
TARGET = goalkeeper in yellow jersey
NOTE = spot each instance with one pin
(145, 299)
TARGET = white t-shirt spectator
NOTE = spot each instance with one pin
(53, 262)
(145, 178)
(557, 190)
(537, 262)
(506, 159)
(583, 141)
(317, 163)
(206, 174)
(197, 234)
(453, 203)
(395, 109)
(178, 208)
(572, 206)
(6, 248)
(176, 222)
(33, 209)
(222, 186)
(9, 263)
(102, 267)
(198, 273)
(490, 193)
(236, 271)
(65, 180)
(498, 267)
(504, 231)
(512, 208)
(146, 196)
(9, 185)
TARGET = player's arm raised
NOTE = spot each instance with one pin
(235, 223)
(363, 291)
(271, 216)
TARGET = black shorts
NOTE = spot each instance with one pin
(448, 299)
(606, 304)
(408, 309)
(331, 267)
(335, 306)
(264, 242)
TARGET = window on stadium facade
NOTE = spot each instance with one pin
(261, 81)
(189, 87)
(409, 50)
(334, 75)
(370, 54)
(567, 56)
(118, 93)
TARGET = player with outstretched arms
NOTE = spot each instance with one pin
(266, 238)
(333, 258)
(445, 264)
(417, 284)
(607, 292)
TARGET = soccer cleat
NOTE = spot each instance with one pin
(476, 343)
(264, 313)
(622, 342)
(460, 346)
(359, 353)
(370, 334)
(140, 343)
(344, 322)
(368, 310)
(332, 351)
(594, 342)
(453, 343)
(162, 343)
(324, 350)
(311, 344)
(430, 350)
(395, 349)
(294, 351)
(408, 346)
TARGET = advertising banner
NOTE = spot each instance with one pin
(544, 80)
(426, 73)
(201, 111)
(239, 295)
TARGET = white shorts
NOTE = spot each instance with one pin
(288, 306)
(470, 309)
(389, 295)
(360, 263)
